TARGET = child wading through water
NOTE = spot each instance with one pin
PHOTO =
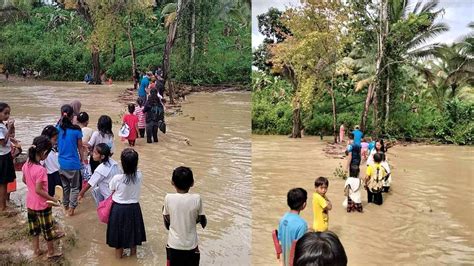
(40, 217)
(321, 205)
(352, 190)
(132, 122)
(103, 135)
(374, 180)
(51, 163)
(154, 114)
(141, 117)
(70, 157)
(7, 168)
(292, 227)
(181, 212)
(100, 180)
(126, 228)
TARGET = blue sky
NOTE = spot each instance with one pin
(458, 13)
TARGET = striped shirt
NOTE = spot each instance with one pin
(141, 116)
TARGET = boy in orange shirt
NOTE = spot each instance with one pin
(321, 205)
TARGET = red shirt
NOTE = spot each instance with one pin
(35, 173)
(132, 121)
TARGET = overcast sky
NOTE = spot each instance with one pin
(458, 13)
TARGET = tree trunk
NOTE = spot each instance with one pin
(383, 27)
(170, 38)
(132, 52)
(96, 66)
(296, 132)
(368, 100)
(334, 114)
(193, 32)
(376, 114)
(387, 103)
(112, 58)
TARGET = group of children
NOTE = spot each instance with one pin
(292, 228)
(59, 156)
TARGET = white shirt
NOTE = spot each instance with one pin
(51, 163)
(3, 132)
(126, 193)
(183, 210)
(86, 134)
(97, 138)
(102, 176)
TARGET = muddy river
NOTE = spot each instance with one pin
(211, 135)
(427, 218)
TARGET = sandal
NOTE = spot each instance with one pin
(55, 255)
(59, 234)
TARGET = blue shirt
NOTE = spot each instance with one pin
(292, 227)
(67, 149)
(143, 85)
(371, 145)
(357, 136)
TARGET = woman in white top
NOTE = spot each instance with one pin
(103, 135)
(51, 163)
(100, 180)
(126, 228)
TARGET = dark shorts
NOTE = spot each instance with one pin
(7, 169)
(176, 257)
(41, 221)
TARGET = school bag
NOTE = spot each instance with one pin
(375, 183)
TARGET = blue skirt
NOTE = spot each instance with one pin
(126, 228)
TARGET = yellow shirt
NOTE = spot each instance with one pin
(320, 216)
(375, 182)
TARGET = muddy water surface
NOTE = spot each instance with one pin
(211, 135)
(427, 218)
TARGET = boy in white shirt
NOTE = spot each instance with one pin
(181, 212)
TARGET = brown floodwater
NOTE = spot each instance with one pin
(427, 218)
(211, 135)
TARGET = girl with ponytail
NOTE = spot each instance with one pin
(70, 158)
(40, 216)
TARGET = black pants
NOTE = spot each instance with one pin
(152, 131)
(178, 257)
(142, 132)
(375, 197)
(53, 180)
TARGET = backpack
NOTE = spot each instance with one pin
(375, 183)
(155, 112)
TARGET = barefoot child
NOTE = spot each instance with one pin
(126, 228)
(292, 227)
(132, 122)
(7, 168)
(70, 157)
(181, 212)
(40, 217)
(321, 205)
(141, 117)
(100, 180)
(51, 163)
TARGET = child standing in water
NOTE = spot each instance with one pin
(141, 117)
(51, 163)
(181, 212)
(352, 190)
(321, 205)
(132, 122)
(7, 168)
(374, 180)
(70, 157)
(100, 180)
(292, 227)
(126, 228)
(40, 217)
(103, 135)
